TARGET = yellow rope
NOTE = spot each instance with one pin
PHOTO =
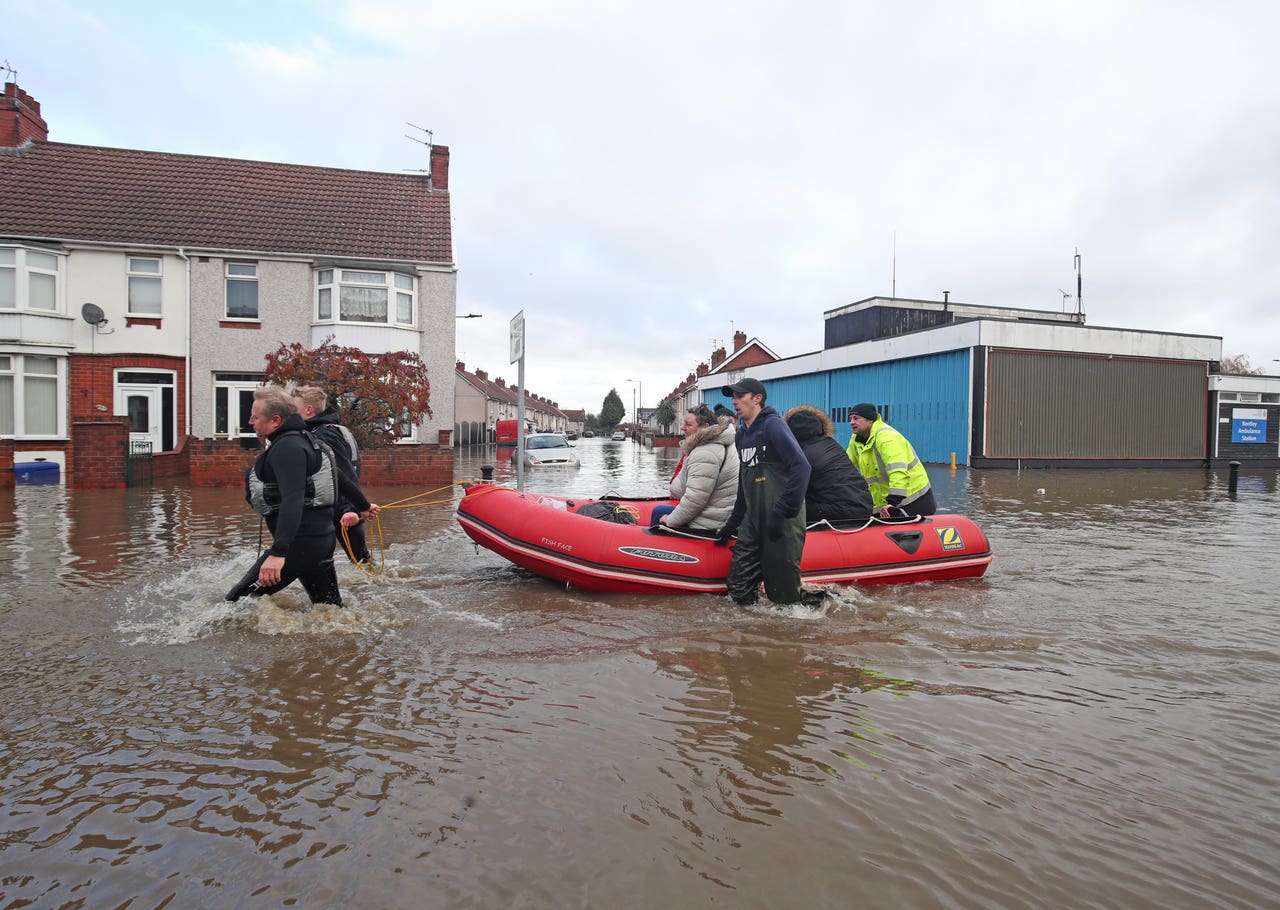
(373, 570)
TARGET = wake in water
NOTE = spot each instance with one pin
(190, 605)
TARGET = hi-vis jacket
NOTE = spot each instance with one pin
(890, 465)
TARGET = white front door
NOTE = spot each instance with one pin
(141, 404)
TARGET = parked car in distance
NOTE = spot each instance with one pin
(589, 434)
(549, 450)
(618, 436)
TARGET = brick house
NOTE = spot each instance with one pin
(143, 290)
(746, 353)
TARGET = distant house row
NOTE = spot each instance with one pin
(687, 393)
(480, 402)
(146, 288)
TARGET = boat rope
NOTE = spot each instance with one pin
(374, 569)
(873, 520)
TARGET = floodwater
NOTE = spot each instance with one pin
(1092, 724)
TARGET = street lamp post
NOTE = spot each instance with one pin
(637, 403)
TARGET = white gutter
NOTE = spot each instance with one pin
(187, 260)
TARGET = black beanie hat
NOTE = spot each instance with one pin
(865, 411)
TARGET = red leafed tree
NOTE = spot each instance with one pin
(376, 394)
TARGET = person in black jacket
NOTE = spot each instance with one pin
(321, 419)
(772, 478)
(837, 490)
(294, 484)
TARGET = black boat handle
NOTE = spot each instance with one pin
(908, 540)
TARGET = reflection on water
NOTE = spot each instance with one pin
(1091, 724)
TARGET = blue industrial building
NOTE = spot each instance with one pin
(996, 387)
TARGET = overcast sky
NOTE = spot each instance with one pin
(643, 179)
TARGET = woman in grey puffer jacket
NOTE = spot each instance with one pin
(706, 482)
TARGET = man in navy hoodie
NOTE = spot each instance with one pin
(769, 515)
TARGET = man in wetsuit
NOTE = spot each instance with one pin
(769, 515)
(322, 420)
(294, 484)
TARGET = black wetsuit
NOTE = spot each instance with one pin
(303, 535)
(328, 428)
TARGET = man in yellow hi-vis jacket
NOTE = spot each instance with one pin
(894, 473)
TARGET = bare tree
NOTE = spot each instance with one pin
(1238, 364)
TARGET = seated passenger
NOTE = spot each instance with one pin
(706, 483)
(837, 490)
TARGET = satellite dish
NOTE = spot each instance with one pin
(93, 314)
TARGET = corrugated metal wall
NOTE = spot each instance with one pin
(927, 399)
(1045, 405)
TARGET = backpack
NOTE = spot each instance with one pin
(605, 510)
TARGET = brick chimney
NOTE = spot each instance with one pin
(703, 369)
(20, 118)
(440, 167)
(739, 341)
(461, 367)
(482, 375)
(500, 382)
(718, 357)
(691, 379)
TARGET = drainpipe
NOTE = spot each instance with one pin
(187, 260)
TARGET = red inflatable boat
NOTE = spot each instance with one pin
(546, 535)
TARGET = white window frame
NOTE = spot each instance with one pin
(13, 365)
(330, 281)
(21, 271)
(232, 387)
(133, 272)
(242, 279)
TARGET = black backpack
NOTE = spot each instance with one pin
(605, 510)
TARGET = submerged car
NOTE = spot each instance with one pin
(618, 436)
(549, 450)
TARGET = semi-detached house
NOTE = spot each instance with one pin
(148, 287)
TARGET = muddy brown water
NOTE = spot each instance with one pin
(1092, 724)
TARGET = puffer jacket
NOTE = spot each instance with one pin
(837, 490)
(707, 482)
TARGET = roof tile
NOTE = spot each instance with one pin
(54, 190)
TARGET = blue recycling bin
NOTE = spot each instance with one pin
(34, 472)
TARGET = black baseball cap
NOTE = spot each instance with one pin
(747, 386)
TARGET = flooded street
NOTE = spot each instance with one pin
(1092, 724)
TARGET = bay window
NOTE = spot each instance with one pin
(29, 279)
(30, 395)
(365, 296)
